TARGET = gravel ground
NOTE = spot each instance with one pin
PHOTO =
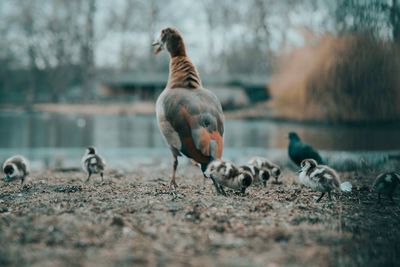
(56, 219)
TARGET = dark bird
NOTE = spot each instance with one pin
(386, 183)
(93, 163)
(321, 178)
(226, 174)
(189, 116)
(299, 151)
(16, 167)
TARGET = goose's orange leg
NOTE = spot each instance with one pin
(173, 182)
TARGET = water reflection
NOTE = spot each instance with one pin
(44, 130)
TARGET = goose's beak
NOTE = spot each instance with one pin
(159, 46)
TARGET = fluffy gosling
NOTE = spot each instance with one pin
(93, 163)
(265, 164)
(259, 175)
(224, 173)
(16, 167)
(321, 178)
(386, 183)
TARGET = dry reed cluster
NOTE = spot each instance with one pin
(339, 79)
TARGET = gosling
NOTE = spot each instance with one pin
(16, 167)
(259, 175)
(263, 163)
(93, 163)
(226, 174)
(386, 183)
(321, 178)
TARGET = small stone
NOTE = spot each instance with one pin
(118, 221)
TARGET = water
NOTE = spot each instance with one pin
(55, 137)
(50, 130)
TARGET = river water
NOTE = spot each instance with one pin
(58, 137)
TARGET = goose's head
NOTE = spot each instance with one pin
(245, 180)
(91, 150)
(308, 163)
(264, 175)
(276, 172)
(293, 136)
(11, 172)
(172, 40)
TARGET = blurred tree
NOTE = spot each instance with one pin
(49, 47)
(221, 16)
(394, 10)
(87, 46)
(138, 20)
(54, 41)
(380, 18)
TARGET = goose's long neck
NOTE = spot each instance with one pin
(182, 73)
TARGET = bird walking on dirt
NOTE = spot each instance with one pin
(386, 183)
(93, 163)
(299, 151)
(224, 173)
(189, 116)
(16, 167)
(265, 164)
(321, 178)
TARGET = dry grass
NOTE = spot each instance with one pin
(339, 79)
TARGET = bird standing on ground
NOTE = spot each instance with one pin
(386, 183)
(299, 151)
(190, 117)
(16, 167)
(224, 173)
(321, 178)
(93, 163)
(265, 164)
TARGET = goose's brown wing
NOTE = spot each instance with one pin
(196, 115)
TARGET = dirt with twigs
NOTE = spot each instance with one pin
(56, 219)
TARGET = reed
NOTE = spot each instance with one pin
(339, 79)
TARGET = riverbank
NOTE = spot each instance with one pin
(260, 111)
(131, 219)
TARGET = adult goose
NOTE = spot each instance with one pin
(189, 116)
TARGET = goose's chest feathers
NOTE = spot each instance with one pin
(170, 135)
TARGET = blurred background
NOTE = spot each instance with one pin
(75, 73)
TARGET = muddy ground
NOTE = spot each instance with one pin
(131, 219)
